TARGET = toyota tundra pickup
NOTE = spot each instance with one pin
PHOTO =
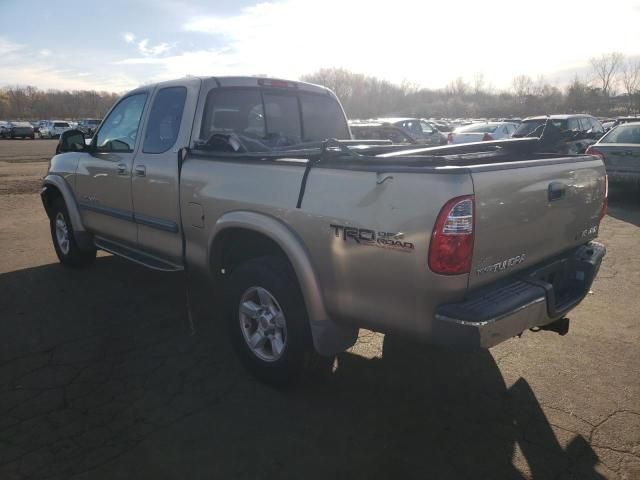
(309, 235)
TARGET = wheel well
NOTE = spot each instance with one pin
(49, 196)
(234, 246)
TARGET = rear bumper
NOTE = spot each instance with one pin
(533, 298)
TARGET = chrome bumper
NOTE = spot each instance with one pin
(534, 298)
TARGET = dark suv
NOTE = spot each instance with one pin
(567, 133)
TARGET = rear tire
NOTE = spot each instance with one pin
(64, 242)
(267, 320)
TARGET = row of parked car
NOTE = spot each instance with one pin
(617, 143)
(46, 128)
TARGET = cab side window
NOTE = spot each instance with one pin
(120, 129)
(164, 120)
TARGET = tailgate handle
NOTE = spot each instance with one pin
(556, 191)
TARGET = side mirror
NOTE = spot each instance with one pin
(71, 141)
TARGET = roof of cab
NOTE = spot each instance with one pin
(240, 81)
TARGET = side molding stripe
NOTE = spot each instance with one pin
(141, 219)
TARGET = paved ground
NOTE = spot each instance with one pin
(100, 379)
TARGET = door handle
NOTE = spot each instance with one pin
(140, 170)
(122, 169)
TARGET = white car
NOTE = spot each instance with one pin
(54, 128)
(482, 132)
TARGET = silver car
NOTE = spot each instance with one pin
(620, 150)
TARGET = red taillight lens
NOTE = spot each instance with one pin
(605, 200)
(451, 248)
(487, 137)
(450, 138)
(595, 152)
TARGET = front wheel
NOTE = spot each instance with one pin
(267, 320)
(68, 251)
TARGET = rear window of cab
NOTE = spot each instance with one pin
(272, 119)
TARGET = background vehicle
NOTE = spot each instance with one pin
(88, 126)
(419, 129)
(620, 150)
(573, 133)
(18, 130)
(3, 127)
(380, 131)
(53, 129)
(621, 120)
(479, 132)
(309, 239)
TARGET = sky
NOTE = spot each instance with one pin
(117, 45)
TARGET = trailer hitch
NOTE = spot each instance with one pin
(560, 326)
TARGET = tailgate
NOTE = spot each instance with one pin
(528, 212)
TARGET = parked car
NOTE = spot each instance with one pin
(621, 120)
(3, 127)
(380, 131)
(53, 129)
(309, 239)
(620, 150)
(88, 126)
(482, 132)
(418, 128)
(18, 130)
(569, 134)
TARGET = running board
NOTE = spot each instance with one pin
(136, 256)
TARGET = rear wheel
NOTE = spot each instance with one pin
(267, 320)
(64, 242)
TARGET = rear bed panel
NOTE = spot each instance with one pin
(519, 222)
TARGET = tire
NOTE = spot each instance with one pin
(64, 242)
(282, 342)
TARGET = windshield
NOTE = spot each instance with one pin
(623, 134)
(528, 126)
(61, 124)
(478, 128)
(266, 120)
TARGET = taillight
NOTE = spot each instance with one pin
(451, 247)
(595, 152)
(487, 137)
(450, 138)
(605, 200)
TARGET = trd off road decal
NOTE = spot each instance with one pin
(364, 236)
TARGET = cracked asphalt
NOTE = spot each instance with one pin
(101, 378)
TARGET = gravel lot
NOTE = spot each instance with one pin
(100, 378)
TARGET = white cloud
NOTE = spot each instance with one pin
(45, 52)
(129, 37)
(154, 50)
(426, 42)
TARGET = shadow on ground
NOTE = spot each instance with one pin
(624, 203)
(99, 378)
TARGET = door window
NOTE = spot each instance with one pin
(120, 129)
(164, 120)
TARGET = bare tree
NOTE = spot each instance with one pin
(478, 83)
(630, 76)
(522, 86)
(605, 68)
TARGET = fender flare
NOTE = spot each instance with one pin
(329, 338)
(62, 186)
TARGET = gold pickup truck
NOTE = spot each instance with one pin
(311, 235)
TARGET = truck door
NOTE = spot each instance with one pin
(103, 180)
(154, 183)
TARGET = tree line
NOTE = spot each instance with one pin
(31, 103)
(612, 88)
